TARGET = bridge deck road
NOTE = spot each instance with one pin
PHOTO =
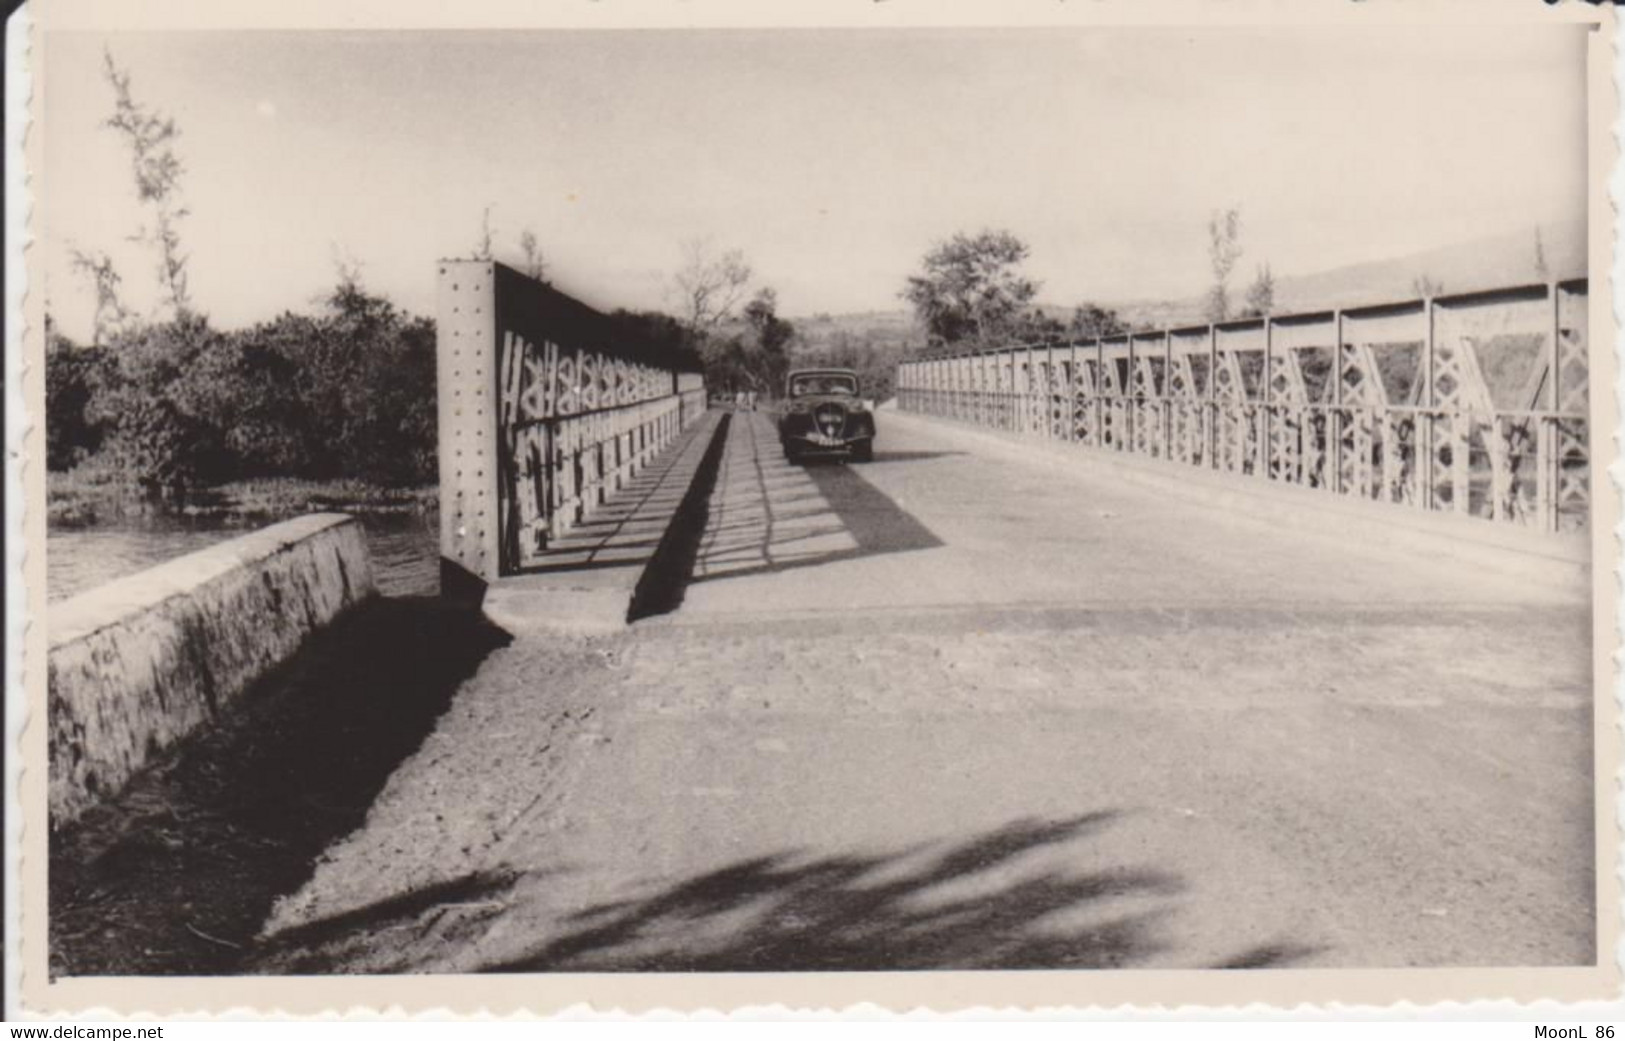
(946, 710)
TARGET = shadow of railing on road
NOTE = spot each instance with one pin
(815, 513)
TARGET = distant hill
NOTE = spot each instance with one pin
(822, 332)
(1486, 263)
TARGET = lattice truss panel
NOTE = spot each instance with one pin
(1115, 416)
(1060, 394)
(1370, 437)
(1237, 354)
(1569, 480)
(1475, 404)
(1186, 391)
(1086, 393)
(577, 425)
(1503, 445)
(1145, 394)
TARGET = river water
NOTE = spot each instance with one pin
(405, 554)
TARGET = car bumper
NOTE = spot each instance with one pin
(821, 443)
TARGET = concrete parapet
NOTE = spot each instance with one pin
(140, 662)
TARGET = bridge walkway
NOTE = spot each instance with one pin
(946, 710)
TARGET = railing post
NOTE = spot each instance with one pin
(1100, 393)
(1266, 455)
(1547, 474)
(1050, 420)
(1210, 408)
(1027, 390)
(1165, 408)
(1334, 422)
(1072, 392)
(1131, 403)
(1554, 353)
(1427, 430)
(1461, 433)
(973, 388)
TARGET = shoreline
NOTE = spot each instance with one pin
(75, 500)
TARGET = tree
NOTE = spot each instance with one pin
(151, 434)
(535, 265)
(73, 376)
(1261, 294)
(869, 352)
(709, 286)
(1426, 286)
(1035, 326)
(1091, 322)
(157, 171)
(111, 314)
(658, 331)
(347, 271)
(769, 360)
(1224, 249)
(970, 289)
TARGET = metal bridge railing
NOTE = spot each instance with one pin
(546, 409)
(1475, 404)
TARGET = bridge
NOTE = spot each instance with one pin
(1263, 644)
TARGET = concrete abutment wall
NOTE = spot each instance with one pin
(142, 661)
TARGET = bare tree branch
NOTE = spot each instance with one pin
(157, 170)
(710, 285)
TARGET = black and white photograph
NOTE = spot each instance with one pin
(889, 501)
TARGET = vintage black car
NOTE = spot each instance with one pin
(822, 413)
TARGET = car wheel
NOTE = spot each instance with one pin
(791, 456)
(864, 452)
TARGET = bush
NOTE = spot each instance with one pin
(74, 374)
(175, 405)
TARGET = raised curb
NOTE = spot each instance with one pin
(625, 556)
(1563, 560)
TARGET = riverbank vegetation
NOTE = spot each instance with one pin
(169, 412)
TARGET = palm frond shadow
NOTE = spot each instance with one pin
(911, 909)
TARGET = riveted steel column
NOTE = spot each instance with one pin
(466, 364)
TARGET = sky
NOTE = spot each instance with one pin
(833, 158)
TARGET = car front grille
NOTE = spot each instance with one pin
(830, 420)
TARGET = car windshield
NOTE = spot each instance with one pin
(823, 383)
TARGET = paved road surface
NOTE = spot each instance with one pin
(945, 711)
